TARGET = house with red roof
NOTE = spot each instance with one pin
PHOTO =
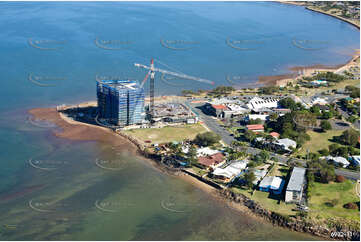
(211, 160)
(275, 135)
(255, 127)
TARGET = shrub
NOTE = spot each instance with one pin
(350, 206)
(340, 178)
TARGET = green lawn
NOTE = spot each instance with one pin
(167, 134)
(268, 201)
(319, 140)
(323, 194)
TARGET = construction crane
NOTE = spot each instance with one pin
(151, 71)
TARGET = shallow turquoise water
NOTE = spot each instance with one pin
(69, 196)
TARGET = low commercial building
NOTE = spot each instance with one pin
(262, 117)
(295, 185)
(272, 184)
(257, 103)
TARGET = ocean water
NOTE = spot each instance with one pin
(51, 53)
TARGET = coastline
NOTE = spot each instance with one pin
(74, 130)
(282, 80)
(319, 11)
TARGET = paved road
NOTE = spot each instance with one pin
(213, 125)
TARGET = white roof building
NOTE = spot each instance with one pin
(355, 160)
(206, 151)
(271, 182)
(259, 174)
(286, 143)
(257, 116)
(258, 103)
(231, 170)
(338, 160)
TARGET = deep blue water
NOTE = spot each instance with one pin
(49, 56)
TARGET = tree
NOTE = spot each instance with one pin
(324, 152)
(264, 155)
(249, 135)
(327, 174)
(288, 103)
(340, 178)
(327, 115)
(273, 116)
(249, 177)
(349, 137)
(192, 155)
(333, 148)
(207, 139)
(325, 125)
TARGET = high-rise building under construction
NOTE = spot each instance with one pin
(120, 102)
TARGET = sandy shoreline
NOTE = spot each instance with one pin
(282, 80)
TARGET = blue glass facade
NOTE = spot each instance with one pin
(120, 102)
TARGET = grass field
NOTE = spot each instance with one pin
(323, 194)
(268, 201)
(167, 134)
(319, 141)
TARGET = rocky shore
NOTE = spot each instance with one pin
(296, 224)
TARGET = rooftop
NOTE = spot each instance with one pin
(255, 126)
(210, 160)
(297, 179)
(272, 182)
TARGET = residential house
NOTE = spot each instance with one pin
(338, 161)
(355, 160)
(285, 144)
(259, 174)
(211, 160)
(206, 151)
(275, 135)
(295, 185)
(231, 170)
(272, 184)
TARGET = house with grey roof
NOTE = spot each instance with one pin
(295, 185)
